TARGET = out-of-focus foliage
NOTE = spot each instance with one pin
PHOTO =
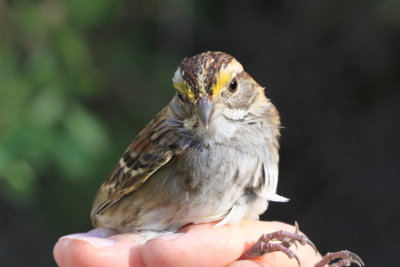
(47, 72)
(68, 106)
(78, 80)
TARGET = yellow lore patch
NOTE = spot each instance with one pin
(223, 78)
(184, 89)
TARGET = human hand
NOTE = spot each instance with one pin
(194, 245)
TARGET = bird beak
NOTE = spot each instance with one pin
(205, 109)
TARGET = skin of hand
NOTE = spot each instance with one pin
(194, 245)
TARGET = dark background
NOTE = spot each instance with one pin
(79, 79)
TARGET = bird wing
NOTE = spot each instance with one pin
(153, 147)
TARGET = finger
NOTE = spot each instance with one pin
(58, 253)
(248, 263)
(206, 245)
(200, 245)
(83, 250)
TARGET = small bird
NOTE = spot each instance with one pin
(210, 155)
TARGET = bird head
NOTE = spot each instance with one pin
(213, 81)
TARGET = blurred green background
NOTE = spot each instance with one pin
(79, 79)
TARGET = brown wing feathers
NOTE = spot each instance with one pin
(145, 155)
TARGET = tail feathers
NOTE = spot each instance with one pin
(277, 198)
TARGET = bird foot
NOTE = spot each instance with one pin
(285, 240)
(346, 259)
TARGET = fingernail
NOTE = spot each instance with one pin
(102, 232)
(72, 236)
(168, 236)
(93, 241)
(97, 232)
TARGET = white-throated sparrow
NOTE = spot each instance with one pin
(211, 154)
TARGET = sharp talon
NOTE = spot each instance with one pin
(311, 244)
(346, 258)
(296, 231)
(297, 259)
(306, 241)
(356, 262)
(356, 259)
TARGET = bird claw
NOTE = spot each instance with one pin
(346, 259)
(304, 241)
(297, 259)
(286, 239)
(311, 244)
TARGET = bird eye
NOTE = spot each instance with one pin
(233, 86)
